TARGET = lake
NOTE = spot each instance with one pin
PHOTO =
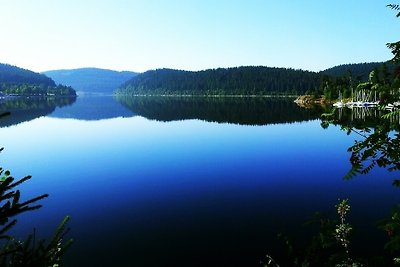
(184, 181)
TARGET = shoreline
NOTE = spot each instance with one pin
(211, 96)
(310, 99)
(8, 97)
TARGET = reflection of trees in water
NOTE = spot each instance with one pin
(26, 109)
(379, 145)
(365, 114)
(238, 110)
(359, 117)
(93, 108)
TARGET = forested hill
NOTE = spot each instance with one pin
(14, 75)
(359, 71)
(18, 81)
(91, 80)
(222, 81)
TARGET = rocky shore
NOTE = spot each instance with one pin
(311, 100)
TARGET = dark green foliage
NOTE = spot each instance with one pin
(255, 81)
(329, 245)
(322, 248)
(37, 253)
(391, 227)
(369, 77)
(230, 81)
(28, 253)
(331, 86)
(395, 7)
(10, 204)
(358, 71)
(380, 138)
(17, 81)
(14, 75)
(379, 146)
(379, 149)
(36, 90)
(91, 80)
(395, 46)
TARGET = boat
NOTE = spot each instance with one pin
(340, 103)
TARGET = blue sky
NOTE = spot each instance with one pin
(139, 35)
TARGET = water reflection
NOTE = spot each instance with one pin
(362, 117)
(378, 138)
(25, 109)
(376, 144)
(187, 191)
(91, 108)
(236, 110)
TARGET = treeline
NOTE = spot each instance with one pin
(359, 71)
(21, 82)
(375, 77)
(36, 90)
(253, 81)
(223, 81)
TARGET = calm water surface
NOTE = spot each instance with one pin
(150, 182)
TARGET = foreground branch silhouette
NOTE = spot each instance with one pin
(30, 252)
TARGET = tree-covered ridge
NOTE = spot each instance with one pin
(14, 75)
(359, 71)
(91, 80)
(382, 83)
(18, 81)
(257, 80)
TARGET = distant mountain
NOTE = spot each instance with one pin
(251, 80)
(358, 70)
(91, 80)
(18, 81)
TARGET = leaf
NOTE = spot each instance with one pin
(16, 198)
(7, 227)
(369, 168)
(353, 171)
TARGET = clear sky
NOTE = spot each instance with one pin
(139, 35)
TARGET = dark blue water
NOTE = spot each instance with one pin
(146, 192)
